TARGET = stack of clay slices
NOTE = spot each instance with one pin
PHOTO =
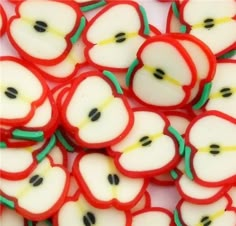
(94, 109)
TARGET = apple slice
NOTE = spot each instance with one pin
(20, 162)
(3, 21)
(42, 36)
(77, 211)
(217, 213)
(112, 44)
(103, 185)
(39, 195)
(211, 149)
(222, 96)
(208, 20)
(152, 217)
(96, 111)
(149, 148)
(19, 99)
(163, 75)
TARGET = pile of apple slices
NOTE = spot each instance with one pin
(133, 108)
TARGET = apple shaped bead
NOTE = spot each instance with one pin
(18, 163)
(216, 214)
(222, 95)
(112, 43)
(210, 149)
(103, 185)
(42, 36)
(3, 21)
(95, 110)
(39, 195)
(149, 148)
(19, 99)
(209, 20)
(163, 75)
(152, 217)
(77, 211)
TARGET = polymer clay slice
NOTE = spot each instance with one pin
(39, 195)
(149, 148)
(211, 149)
(216, 213)
(112, 44)
(19, 99)
(77, 211)
(95, 110)
(3, 21)
(209, 20)
(222, 95)
(153, 216)
(163, 74)
(40, 35)
(103, 185)
(18, 163)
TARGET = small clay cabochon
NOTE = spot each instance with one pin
(222, 95)
(160, 80)
(95, 94)
(147, 146)
(42, 36)
(109, 35)
(16, 95)
(95, 171)
(220, 21)
(210, 167)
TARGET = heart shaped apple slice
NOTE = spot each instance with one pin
(216, 213)
(103, 185)
(210, 156)
(42, 36)
(149, 148)
(112, 44)
(209, 20)
(96, 111)
(19, 99)
(222, 96)
(77, 211)
(39, 195)
(163, 75)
